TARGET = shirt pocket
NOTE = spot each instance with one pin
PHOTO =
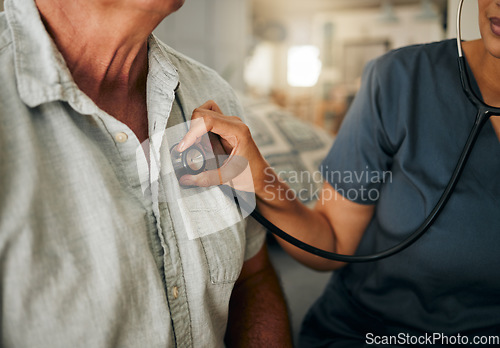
(224, 251)
(215, 219)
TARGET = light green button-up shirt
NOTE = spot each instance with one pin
(96, 245)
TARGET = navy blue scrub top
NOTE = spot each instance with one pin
(397, 149)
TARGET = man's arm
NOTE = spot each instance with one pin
(258, 315)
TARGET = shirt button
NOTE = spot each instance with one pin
(121, 137)
(175, 292)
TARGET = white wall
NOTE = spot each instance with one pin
(214, 32)
(470, 29)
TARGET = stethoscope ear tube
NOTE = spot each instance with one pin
(464, 76)
(482, 107)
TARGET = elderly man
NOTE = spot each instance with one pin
(87, 257)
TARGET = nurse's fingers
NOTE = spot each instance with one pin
(230, 128)
(211, 105)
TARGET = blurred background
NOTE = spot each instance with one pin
(296, 66)
(306, 56)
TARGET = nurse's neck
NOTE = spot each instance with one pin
(486, 69)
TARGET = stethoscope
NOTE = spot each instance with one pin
(191, 161)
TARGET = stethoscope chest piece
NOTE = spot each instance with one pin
(190, 161)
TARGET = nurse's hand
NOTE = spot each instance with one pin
(244, 169)
(335, 224)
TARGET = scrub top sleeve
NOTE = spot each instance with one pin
(360, 159)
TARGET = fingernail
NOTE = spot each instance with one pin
(181, 145)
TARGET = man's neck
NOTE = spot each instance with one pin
(105, 48)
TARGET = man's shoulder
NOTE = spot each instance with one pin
(199, 83)
(8, 87)
(187, 65)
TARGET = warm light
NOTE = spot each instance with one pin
(304, 66)
(258, 73)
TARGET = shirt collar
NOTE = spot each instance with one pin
(42, 74)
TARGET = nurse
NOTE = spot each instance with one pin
(401, 139)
